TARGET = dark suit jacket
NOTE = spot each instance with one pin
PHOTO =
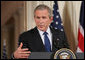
(32, 40)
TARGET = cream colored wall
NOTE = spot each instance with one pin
(12, 13)
(69, 11)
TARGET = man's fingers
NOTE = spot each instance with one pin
(25, 55)
(27, 52)
(21, 44)
(25, 49)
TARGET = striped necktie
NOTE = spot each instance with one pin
(47, 42)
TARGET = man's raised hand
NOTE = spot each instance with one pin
(21, 53)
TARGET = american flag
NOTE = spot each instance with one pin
(57, 23)
(81, 30)
(4, 56)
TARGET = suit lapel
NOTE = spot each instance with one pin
(54, 40)
(39, 43)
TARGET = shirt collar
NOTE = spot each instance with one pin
(48, 31)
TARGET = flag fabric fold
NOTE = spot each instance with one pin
(81, 30)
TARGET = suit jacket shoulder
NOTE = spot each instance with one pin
(32, 40)
(25, 37)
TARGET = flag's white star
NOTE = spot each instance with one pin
(61, 29)
(56, 22)
(57, 16)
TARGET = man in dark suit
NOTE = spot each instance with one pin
(34, 40)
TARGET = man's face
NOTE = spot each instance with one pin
(42, 19)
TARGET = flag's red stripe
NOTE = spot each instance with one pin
(80, 41)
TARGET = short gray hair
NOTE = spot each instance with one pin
(42, 7)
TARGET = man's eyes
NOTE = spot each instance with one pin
(44, 17)
(41, 17)
(38, 17)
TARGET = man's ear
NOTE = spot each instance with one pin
(51, 18)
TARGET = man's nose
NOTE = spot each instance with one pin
(41, 20)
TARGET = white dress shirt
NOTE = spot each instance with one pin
(49, 36)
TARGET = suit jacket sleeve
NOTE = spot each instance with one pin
(24, 39)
